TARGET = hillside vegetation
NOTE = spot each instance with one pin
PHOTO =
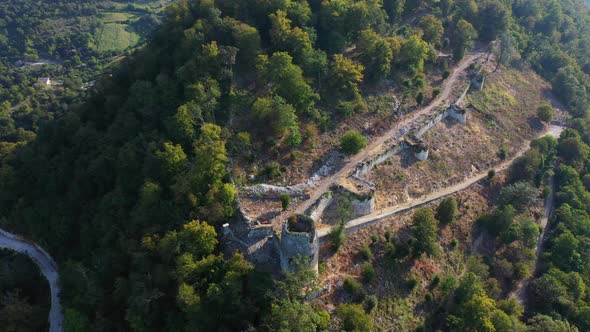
(128, 188)
(73, 43)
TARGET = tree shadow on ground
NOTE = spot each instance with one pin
(535, 124)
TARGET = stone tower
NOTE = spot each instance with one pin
(298, 239)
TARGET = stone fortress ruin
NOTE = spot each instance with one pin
(284, 242)
(297, 243)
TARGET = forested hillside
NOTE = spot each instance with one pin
(72, 43)
(67, 31)
(128, 188)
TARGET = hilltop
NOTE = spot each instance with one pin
(154, 190)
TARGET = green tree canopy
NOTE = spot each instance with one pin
(493, 19)
(286, 80)
(352, 142)
(413, 53)
(345, 75)
(463, 37)
(424, 229)
(447, 210)
(273, 116)
(545, 112)
(376, 54)
(354, 318)
(432, 28)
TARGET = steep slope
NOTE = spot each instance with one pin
(129, 189)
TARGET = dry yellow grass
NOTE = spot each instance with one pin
(457, 151)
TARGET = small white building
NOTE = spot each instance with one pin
(46, 81)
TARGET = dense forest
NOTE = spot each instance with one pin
(128, 186)
(72, 43)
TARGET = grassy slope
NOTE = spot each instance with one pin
(510, 99)
(458, 150)
(115, 37)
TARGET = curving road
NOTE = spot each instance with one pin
(374, 147)
(379, 215)
(48, 268)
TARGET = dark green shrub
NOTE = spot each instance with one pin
(371, 302)
(272, 170)
(366, 253)
(352, 142)
(546, 191)
(503, 153)
(294, 155)
(285, 201)
(435, 281)
(420, 98)
(374, 238)
(447, 211)
(368, 272)
(545, 113)
(387, 236)
(390, 250)
(354, 318)
(520, 195)
(435, 92)
(491, 174)
(354, 289)
(338, 235)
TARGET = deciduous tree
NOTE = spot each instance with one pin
(424, 229)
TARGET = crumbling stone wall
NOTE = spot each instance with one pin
(257, 243)
(241, 215)
(316, 211)
(263, 246)
(421, 154)
(418, 147)
(457, 113)
(363, 206)
(431, 122)
(478, 81)
(260, 231)
(360, 195)
(364, 168)
(272, 191)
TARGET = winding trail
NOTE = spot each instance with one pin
(398, 130)
(379, 215)
(48, 268)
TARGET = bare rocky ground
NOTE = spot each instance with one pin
(399, 309)
(500, 115)
(320, 149)
(402, 309)
(452, 88)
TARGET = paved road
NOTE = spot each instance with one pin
(48, 268)
(375, 146)
(379, 215)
